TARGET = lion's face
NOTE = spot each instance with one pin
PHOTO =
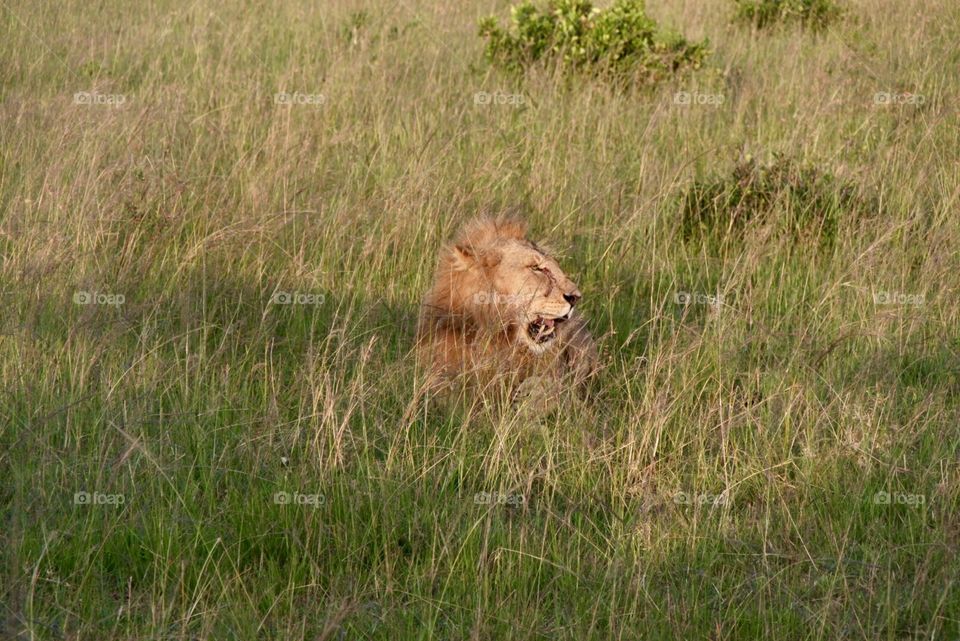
(530, 294)
(501, 309)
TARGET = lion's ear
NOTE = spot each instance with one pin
(463, 257)
(466, 256)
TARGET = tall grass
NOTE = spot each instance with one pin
(773, 448)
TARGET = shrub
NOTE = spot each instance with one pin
(619, 40)
(816, 14)
(808, 202)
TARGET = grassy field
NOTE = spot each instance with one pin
(772, 450)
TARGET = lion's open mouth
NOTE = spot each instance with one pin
(543, 330)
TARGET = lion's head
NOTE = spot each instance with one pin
(495, 279)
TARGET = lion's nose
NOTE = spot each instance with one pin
(573, 297)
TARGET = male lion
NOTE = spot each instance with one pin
(501, 309)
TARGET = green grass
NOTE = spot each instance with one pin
(808, 201)
(620, 42)
(815, 14)
(828, 374)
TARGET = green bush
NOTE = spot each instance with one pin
(816, 14)
(620, 40)
(804, 200)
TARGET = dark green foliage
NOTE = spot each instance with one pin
(619, 41)
(807, 201)
(816, 14)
